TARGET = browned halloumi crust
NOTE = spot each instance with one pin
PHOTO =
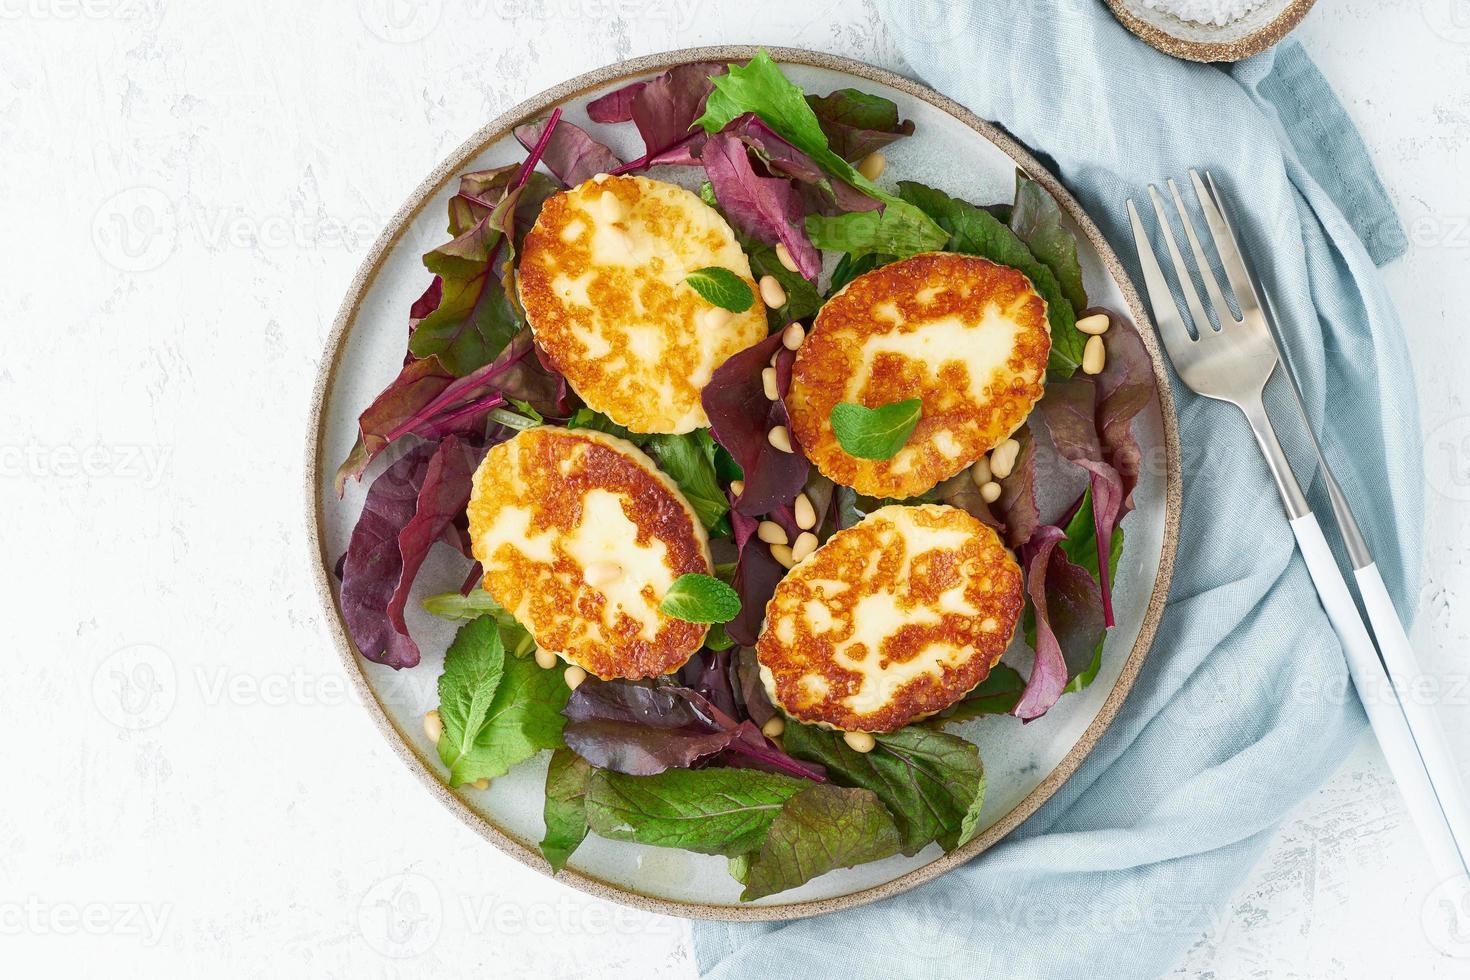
(546, 474)
(848, 629)
(956, 427)
(635, 341)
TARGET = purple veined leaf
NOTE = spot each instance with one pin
(782, 159)
(1068, 607)
(422, 307)
(371, 567)
(758, 706)
(664, 110)
(711, 675)
(757, 574)
(427, 401)
(616, 106)
(441, 502)
(741, 418)
(1125, 388)
(767, 209)
(857, 123)
(571, 152)
(643, 728)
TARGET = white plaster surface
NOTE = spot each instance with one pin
(188, 790)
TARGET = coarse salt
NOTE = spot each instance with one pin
(1217, 12)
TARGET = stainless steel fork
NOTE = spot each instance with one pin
(1233, 364)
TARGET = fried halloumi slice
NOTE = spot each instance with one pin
(893, 619)
(580, 536)
(967, 336)
(602, 280)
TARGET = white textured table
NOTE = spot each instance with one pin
(187, 189)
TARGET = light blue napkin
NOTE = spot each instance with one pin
(1244, 705)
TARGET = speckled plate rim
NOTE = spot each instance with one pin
(1255, 42)
(317, 468)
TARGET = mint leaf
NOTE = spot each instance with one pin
(1036, 218)
(473, 667)
(927, 779)
(565, 812)
(996, 695)
(697, 598)
(875, 433)
(496, 710)
(820, 829)
(722, 287)
(690, 460)
(976, 231)
(709, 811)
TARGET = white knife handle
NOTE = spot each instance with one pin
(1424, 725)
(1380, 702)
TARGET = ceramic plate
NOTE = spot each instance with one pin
(1024, 764)
(1268, 22)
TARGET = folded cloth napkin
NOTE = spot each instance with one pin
(1244, 705)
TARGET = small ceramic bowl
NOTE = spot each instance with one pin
(1251, 34)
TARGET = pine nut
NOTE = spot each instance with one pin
(768, 384)
(574, 676)
(873, 165)
(782, 554)
(481, 784)
(1094, 325)
(806, 543)
(600, 573)
(990, 492)
(774, 727)
(1094, 356)
(780, 438)
(980, 471)
(772, 294)
(806, 514)
(783, 255)
(793, 335)
(433, 726)
(771, 533)
(545, 659)
(1003, 459)
(859, 741)
(737, 487)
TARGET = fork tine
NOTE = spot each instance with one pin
(1166, 311)
(1202, 326)
(1226, 245)
(1223, 314)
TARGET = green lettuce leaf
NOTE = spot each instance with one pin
(820, 829)
(497, 711)
(928, 780)
(565, 811)
(689, 459)
(711, 811)
(977, 232)
(1036, 218)
(759, 87)
(893, 231)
